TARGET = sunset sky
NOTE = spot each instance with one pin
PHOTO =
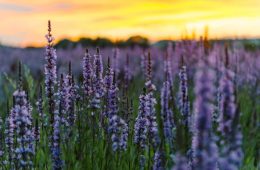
(24, 22)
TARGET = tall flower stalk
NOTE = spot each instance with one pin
(153, 132)
(20, 122)
(231, 145)
(87, 75)
(203, 146)
(117, 128)
(50, 76)
(184, 100)
(97, 82)
(166, 112)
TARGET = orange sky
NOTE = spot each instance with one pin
(24, 22)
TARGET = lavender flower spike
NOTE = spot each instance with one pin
(231, 145)
(87, 74)
(23, 128)
(181, 163)
(97, 84)
(184, 101)
(158, 160)
(50, 72)
(204, 148)
(141, 124)
(166, 112)
(150, 106)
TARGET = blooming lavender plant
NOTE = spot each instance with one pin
(184, 100)
(141, 124)
(203, 146)
(1, 141)
(166, 112)
(108, 79)
(181, 163)
(23, 128)
(158, 160)
(42, 116)
(57, 162)
(119, 133)
(115, 60)
(9, 139)
(153, 132)
(97, 82)
(127, 73)
(63, 95)
(117, 127)
(87, 74)
(231, 152)
(71, 96)
(50, 73)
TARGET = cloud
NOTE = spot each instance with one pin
(15, 7)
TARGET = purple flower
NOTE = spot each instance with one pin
(228, 107)
(97, 82)
(1, 139)
(50, 72)
(87, 74)
(127, 73)
(43, 117)
(23, 128)
(108, 79)
(158, 160)
(204, 148)
(141, 124)
(9, 133)
(57, 163)
(231, 154)
(115, 60)
(181, 163)
(150, 103)
(119, 133)
(166, 112)
(184, 101)
(117, 127)
(70, 97)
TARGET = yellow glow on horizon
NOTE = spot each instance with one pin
(23, 22)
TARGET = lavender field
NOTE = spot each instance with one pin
(194, 105)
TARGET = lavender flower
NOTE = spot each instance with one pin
(119, 133)
(87, 74)
(166, 112)
(36, 131)
(228, 107)
(231, 151)
(150, 106)
(1, 140)
(43, 117)
(184, 101)
(168, 68)
(23, 127)
(141, 124)
(181, 163)
(70, 97)
(204, 148)
(50, 72)
(9, 133)
(112, 99)
(108, 79)
(64, 101)
(97, 83)
(127, 73)
(57, 163)
(117, 127)
(158, 160)
(115, 60)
